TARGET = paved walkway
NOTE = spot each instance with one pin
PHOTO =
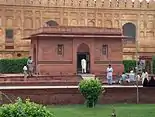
(59, 87)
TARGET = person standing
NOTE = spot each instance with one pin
(84, 65)
(144, 75)
(30, 66)
(25, 72)
(109, 75)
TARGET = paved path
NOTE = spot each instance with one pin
(59, 87)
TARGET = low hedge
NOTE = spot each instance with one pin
(153, 60)
(16, 65)
(12, 65)
(129, 64)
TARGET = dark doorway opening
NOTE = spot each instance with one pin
(80, 56)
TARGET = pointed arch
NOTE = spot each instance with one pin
(83, 48)
(129, 29)
(52, 23)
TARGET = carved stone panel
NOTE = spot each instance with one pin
(99, 15)
(150, 34)
(108, 24)
(82, 14)
(74, 22)
(91, 22)
(18, 34)
(99, 23)
(9, 12)
(108, 15)
(116, 16)
(18, 21)
(82, 22)
(142, 34)
(150, 17)
(91, 15)
(37, 23)
(129, 16)
(9, 21)
(116, 23)
(18, 13)
(65, 22)
(28, 13)
(142, 25)
(27, 32)
(73, 14)
(150, 25)
(37, 13)
(65, 13)
(28, 23)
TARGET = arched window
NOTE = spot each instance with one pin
(52, 23)
(129, 29)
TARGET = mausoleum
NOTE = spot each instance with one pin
(59, 49)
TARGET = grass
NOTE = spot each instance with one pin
(122, 110)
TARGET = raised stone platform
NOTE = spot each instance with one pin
(48, 80)
(70, 94)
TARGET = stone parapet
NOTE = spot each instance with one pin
(112, 4)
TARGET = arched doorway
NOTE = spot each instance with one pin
(129, 29)
(83, 53)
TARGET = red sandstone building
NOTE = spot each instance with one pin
(59, 50)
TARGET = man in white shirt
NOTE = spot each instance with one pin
(144, 75)
(109, 75)
(25, 69)
(83, 65)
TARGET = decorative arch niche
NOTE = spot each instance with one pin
(129, 29)
(83, 48)
(52, 23)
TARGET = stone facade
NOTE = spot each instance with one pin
(22, 16)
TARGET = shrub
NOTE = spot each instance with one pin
(24, 109)
(153, 60)
(90, 89)
(12, 65)
(129, 64)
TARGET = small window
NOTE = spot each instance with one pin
(9, 34)
(60, 50)
(105, 50)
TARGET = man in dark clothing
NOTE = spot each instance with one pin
(152, 82)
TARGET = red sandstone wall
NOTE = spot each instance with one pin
(48, 49)
(52, 62)
(114, 56)
(72, 96)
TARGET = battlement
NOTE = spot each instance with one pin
(108, 4)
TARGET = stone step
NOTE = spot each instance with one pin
(87, 76)
(34, 78)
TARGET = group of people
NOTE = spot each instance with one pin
(28, 68)
(141, 77)
(149, 82)
(132, 76)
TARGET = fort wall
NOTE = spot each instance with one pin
(22, 16)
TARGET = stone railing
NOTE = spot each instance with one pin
(112, 4)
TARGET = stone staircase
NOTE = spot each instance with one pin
(87, 76)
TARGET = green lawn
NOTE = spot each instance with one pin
(122, 110)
